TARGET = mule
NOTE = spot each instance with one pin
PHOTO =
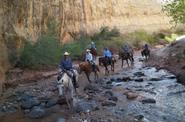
(106, 62)
(66, 87)
(145, 53)
(126, 56)
(87, 68)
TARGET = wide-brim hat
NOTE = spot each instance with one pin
(87, 50)
(66, 53)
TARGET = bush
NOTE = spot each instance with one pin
(46, 51)
(106, 34)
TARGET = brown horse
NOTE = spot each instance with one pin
(87, 68)
(106, 62)
(126, 56)
(94, 53)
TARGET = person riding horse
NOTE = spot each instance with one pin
(89, 58)
(93, 46)
(146, 51)
(67, 66)
(107, 54)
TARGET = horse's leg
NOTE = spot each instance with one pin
(127, 62)
(122, 63)
(87, 75)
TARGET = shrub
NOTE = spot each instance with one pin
(106, 34)
(46, 51)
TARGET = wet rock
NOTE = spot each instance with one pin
(131, 95)
(60, 120)
(30, 102)
(51, 103)
(139, 74)
(148, 100)
(108, 94)
(37, 113)
(108, 103)
(85, 106)
(139, 118)
(139, 80)
(155, 79)
(112, 79)
(126, 79)
(171, 77)
(91, 88)
(107, 86)
(118, 80)
(109, 82)
(113, 98)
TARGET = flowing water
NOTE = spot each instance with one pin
(160, 85)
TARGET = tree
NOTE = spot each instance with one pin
(176, 10)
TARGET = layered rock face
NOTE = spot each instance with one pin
(22, 20)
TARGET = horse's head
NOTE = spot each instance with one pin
(62, 82)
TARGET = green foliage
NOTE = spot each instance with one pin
(106, 34)
(176, 10)
(46, 51)
(139, 37)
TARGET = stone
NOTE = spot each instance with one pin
(139, 74)
(126, 79)
(131, 95)
(29, 103)
(139, 80)
(85, 106)
(109, 82)
(51, 103)
(37, 113)
(108, 103)
(148, 100)
(155, 79)
(113, 98)
(91, 88)
(108, 94)
(60, 120)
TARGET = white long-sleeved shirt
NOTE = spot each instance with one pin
(88, 57)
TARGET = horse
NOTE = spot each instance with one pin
(126, 56)
(145, 53)
(66, 87)
(94, 53)
(106, 62)
(87, 68)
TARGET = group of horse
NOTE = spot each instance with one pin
(65, 84)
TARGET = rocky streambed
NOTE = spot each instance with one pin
(136, 93)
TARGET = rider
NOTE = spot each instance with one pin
(89, 58)
(93, 45)
(107, 54)
(66, 65)
(146, 47)
(125, 48)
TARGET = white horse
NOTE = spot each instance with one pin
(66, 88)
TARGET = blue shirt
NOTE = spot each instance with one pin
(107, 53)
(66, 64)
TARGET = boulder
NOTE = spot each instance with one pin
(148, 100)
(37, 113)
(108, 103)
